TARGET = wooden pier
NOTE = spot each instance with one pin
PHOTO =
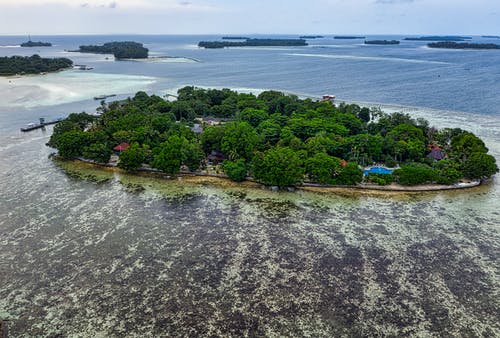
(42, 124)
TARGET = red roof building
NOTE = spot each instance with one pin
(121, 147)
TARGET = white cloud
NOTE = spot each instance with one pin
(134, 4)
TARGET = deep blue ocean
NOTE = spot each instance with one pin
(407, 74)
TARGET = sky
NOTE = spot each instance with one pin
(40, 17)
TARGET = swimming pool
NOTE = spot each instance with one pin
(377, 170)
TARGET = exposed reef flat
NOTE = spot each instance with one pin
(244, 262)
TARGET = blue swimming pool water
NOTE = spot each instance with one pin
(378, 170)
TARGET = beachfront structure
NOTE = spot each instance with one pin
(216, 157)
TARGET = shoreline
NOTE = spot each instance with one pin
(21, 76)
(307, 186)
(160, 58)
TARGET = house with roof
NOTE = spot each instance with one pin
(197, 128)
(121, 147)
(216, 157)
(436, 153)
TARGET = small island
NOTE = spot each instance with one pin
(312, 37)
(274, 139)
(349, 37)
(382, 42)
(36, 44)
(490, 36)
(253, 43)
(120, 50)
(439, 38)
(463, 45)
(32, 65)
(234, 38)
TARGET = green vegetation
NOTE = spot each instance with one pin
(121, 50)
(463, 45)
(382, 42)
(439, 38)
(280, 140)
(36, 44)
(253, 43)
(237, 171)
(31, 65)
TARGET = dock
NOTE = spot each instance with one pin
(43, 123)
(104, 97)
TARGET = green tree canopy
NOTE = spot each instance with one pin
(237, 170)
(480, 165)
(280, 167)
(323, 168)
(240, 140)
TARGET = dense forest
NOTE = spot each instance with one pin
(31, 65)
(36, 44)
(463, 45)
(381, 42)
(121, 50)
(280, 140)
(253, 43)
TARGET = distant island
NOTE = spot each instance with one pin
(381, 42)
(490, 36)
(439, 38)
(274, 139)
(312, 37)
(121, 50)
(463, 45)
(349, 37)
(253, 43)
(31, 65)
(36, 44)
(234, 38)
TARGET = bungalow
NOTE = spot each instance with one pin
(216, 157)
(330, 98)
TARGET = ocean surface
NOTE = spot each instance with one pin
(90, 252)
